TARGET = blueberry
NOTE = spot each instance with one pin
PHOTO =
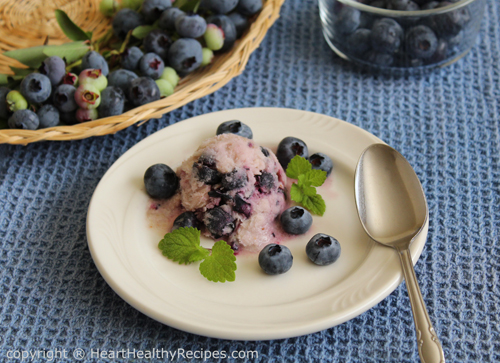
(168, 18)
(323, 249)
(240, 205)
(130, 58)
(430, 5)
(240, 22)
(235, 179)
(381, 4)
(265, 182)
(93, 60)
(421, 42)
(226, 24)
(70, 78)
(68, 118)
(54, 68)
(48, 115)
(190, 26)
(235, 127)
(165, 87)
(264, 151)
(186, 219)
(152, 9)
(220, 6)
(224, 198)
(214, 37)
(122, 79)
(386, 35)
(348, 20)
(161, 181)
(143, 90)
(379, 59)
(288, 148)
(218, 222)
(440, 54)
(36, 88)
(296, 220)
(112, 102)
(403, 5)
(151, 65)
(206, 171)
(185, 55)
(64, 98)
(4, 110)
(24, 119)
(321, 161)
(126, 20)
(359, 42)
(449, 23)
(16, 101)
(85, 115)
(275, 259)
(249, 7)
(157, 41)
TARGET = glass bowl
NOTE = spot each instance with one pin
(401, 34)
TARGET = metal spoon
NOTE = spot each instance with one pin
(393, 210)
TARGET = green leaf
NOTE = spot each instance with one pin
(298, 165)
(141, 31)
(187, 5)
(309, 191)
(183, 245)
(21, 71)
(296, 193)
(4, 79)
(315, 204)
(72, 31)
(220, 265)
(32, 57)
(70, 51)
(316, 177)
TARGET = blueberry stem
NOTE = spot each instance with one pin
(69, 67)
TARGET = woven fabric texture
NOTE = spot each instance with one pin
(446, 123)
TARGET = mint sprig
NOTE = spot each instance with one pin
(304, 191)
(183, 245)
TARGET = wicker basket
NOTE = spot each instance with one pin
(28, 23)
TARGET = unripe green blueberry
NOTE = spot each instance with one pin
(108, 7)
(71, 79)
(87, 97)
(83, 115)
(166, 89)
(208, 55)
(169, 74)
(16, 101)
(93, 77)
(214, 37)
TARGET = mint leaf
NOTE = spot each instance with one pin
(220, 265)
(298, 165)
(70, 29)
(309, 191)
(314, 203)
(183, 245)
(296, 193)
(316, 177)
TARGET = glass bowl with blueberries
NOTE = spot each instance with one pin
(401, 34)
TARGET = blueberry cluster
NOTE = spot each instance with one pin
(405, 41)
(147, 69)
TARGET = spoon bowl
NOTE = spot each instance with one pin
(393, 210)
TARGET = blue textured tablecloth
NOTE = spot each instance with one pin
(52, 298)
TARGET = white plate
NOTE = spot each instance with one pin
(306, 299)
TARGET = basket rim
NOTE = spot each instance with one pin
(229, 65)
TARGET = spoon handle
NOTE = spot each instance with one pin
(429, 347)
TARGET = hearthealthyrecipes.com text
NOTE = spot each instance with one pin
(171, 355)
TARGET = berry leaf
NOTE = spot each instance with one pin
(220, 265)
(183, 245)
(70, 29)
(297, 166)
(296, 193)
(71, 52)
(316, 177)
(315, 204)
(32, 57)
